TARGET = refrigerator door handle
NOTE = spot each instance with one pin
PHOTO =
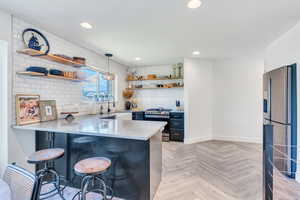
(267, 96)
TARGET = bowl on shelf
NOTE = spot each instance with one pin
(128, 93)
(79, 60)
(130, 78)
(56, 72)
(42, 70)
(152, 76)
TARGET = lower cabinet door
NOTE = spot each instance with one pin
(177, 135)
(177, 123)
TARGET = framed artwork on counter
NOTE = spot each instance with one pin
(48, 110)
(27, 109)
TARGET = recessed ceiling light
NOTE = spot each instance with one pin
(194, 4)
(138, 59)
(86, 25)
(196, 53)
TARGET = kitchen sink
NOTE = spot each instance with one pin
(117, 115)
(108, 117)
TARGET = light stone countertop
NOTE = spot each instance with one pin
(94, 126)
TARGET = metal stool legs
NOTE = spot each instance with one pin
(46, 173)
(88, 185)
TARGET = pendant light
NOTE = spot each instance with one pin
(108, 75)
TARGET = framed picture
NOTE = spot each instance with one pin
(48, 110)
(27, 109)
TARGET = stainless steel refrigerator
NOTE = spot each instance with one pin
(280, 110)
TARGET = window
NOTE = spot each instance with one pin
(96, 87)
(105, 88)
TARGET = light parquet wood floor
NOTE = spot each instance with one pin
(213, 170)
(285, 188)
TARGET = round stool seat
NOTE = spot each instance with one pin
(94, 165)
(45, 155)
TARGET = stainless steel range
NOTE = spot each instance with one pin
(174, 129)
(157, 114)
(160, 114)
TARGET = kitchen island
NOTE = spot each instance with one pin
(134, 148)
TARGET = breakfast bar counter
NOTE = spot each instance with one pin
(96, 125)
(134, 148)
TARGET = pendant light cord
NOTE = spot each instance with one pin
(108, 62)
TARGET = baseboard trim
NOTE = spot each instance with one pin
(196, 140)
(238, 139)
(298, 177)
(223, 138)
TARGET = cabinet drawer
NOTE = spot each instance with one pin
(173, 130)
(138, 116)
(177, 135)
(177, 123)
(176, 115)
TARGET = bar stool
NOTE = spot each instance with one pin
(83, 146)
(91, 170)
(47, 175)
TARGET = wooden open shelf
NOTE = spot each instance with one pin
(145, 88)
(48, 76)
(64, 61)
(157, 79)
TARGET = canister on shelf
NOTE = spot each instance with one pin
(174, 71)
(180, 70)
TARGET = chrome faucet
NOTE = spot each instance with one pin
(101, 109)
(108, 108)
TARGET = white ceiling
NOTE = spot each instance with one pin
(163, 31)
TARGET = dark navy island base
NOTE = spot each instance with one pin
(136, 168)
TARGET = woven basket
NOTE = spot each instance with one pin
(128, 93)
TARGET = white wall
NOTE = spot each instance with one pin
(157, 97)
(5, 63)
(3, 105)
(5, 20)
(198, 76)
(285, 50)
(223, 99)
(238, 99)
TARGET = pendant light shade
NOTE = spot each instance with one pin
(108, 75)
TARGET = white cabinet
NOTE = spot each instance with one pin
(124, 116)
